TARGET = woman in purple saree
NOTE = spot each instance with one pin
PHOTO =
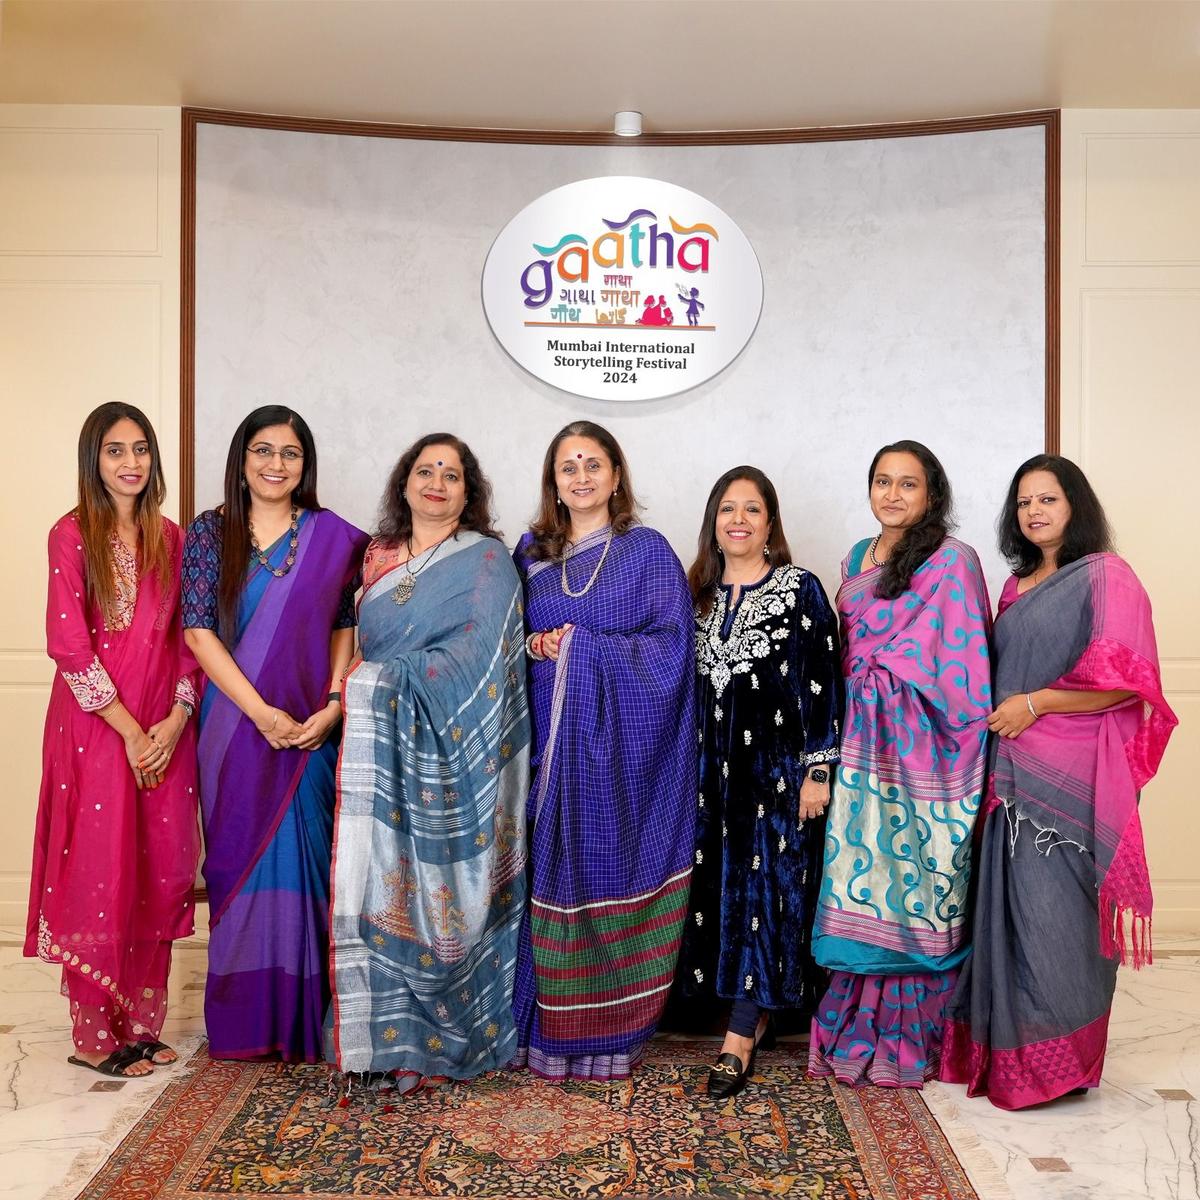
(269, 582)
(1081, 725)
(612, 809)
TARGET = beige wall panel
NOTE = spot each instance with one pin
(22, 713)
(1169, 828)
(89, 192)
(1130, 315)
(89, 311)
(65, 349)
(1142, 194)
(1141, 426)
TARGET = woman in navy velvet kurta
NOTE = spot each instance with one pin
(768, 704)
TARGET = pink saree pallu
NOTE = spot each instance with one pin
(1064, 890)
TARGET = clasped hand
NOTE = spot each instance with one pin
(284, 732)
(552, 641)
(1011, 717)
(149, 752)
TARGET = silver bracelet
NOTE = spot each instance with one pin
(529, 647)
(1029, 705)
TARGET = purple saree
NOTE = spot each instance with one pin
(268, 813)
(613, 805)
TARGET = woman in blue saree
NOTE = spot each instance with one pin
(272, 628)
(429, 842)
(614, 799)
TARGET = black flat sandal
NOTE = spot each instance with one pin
(148, 1050)
(115, 1064)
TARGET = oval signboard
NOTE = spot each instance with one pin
(622, 288)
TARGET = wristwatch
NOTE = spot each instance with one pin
(819, 775)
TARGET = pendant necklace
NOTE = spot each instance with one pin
(407, 584)
(256, 549)
(587, 587)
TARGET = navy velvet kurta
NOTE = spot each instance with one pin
(769, 699)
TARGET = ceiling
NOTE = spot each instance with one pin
(538, 64)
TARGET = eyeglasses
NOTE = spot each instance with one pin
(263, 453)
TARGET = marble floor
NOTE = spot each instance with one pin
(1137, 1138)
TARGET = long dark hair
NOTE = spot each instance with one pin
(97, 514)
(705, 572)
(1087, 532)
(395, 516)
(552, 526)
(922, 539)
(235, 514)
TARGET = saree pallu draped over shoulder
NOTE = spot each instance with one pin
(429, 840)
(892, 917)
(613, 804)
(1064, 890)
(267, 812)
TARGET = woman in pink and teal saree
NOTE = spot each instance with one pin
(892, 920)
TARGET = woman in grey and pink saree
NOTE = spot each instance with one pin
(1081, 726)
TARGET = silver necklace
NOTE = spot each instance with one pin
(407, 583)
(587, 587)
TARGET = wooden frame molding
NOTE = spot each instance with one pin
(1048, 119)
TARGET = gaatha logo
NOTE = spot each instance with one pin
(638, 289)
(615, 249)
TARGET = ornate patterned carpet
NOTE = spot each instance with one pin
(225, 1129)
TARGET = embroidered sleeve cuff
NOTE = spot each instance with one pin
(821, 756)
(185, 694)
(93, 687)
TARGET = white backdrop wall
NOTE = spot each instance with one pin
(904, 297)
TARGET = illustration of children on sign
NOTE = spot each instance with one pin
(693, 303)
(656, 312)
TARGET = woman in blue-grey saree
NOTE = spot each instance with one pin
(892, 923)
(769, 701)
(268, 608)
(429, 837)
(612, 808)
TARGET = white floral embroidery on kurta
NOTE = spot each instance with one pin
(756, 863)
(783, 668)
(725, 769)
(699, 856)
(805, 622)
(699, 974)
(781, 786)
(762, 812)
(720, 658)
(814, 687)
(754, 683)
(92, 687)
(718, 712)
(700, 800)
(699, 918)
(829, 642)
(746, 735)
(778, 717)
(783, 843)
(748, 982)
(754, 924)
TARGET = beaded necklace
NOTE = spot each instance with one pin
(256, 549)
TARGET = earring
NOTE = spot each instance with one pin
(245, 485)
(766, 552)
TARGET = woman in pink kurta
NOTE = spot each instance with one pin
(116, 841)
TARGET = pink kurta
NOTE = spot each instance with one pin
(113, 865)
